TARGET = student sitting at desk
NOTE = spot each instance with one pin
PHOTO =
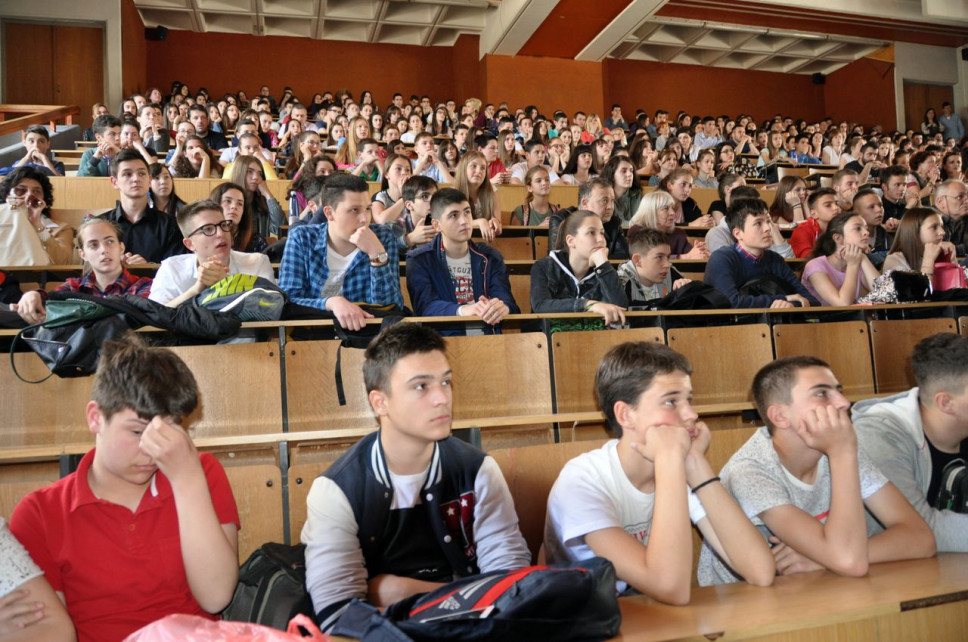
(537, 210)
(919, 438)
(37, 146)
(453, 276)
(577, 276)
(100, 247)
(632, 500)
(408, 507)
(146, 526)
(839, 271)
(805, 483)
(749, 273)
(649, 274)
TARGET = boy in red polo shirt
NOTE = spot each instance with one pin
(147, 526)
(823, 207)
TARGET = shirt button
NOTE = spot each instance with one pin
(430, 497)
(130, 527)
(385, 495)
(470, 569)
(372, 538)
(447, 539)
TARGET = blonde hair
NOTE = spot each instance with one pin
(649, 208)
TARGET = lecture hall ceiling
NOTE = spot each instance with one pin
(793, 36)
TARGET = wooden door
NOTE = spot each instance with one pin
(28, 61)
(54, 65)
(919, 97)
(79, 72)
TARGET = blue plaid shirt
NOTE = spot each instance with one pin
(303, 271)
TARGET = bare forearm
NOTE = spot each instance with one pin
(846, 530)
(210, 558)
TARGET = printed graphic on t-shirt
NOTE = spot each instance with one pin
(460, 275)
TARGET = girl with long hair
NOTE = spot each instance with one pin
(537, 210)
(839, 271)
(307, 146)
(235, 208)
(577, 276)
(162, 192)
(471, 178)
(919, 243)
(388, 204)
(267, 214)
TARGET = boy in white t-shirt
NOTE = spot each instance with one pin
(804, 482)
(630, 501)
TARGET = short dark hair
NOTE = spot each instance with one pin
(149, 381)
(393, 344)
(894, 170)
(816, 196)
(774, 382)
(627, 370)
(445, 197)
(481, 141)
(189, 211)
(337, 185)
(105, 121)
(197, 107)
(940, 362)
(741, 209)
(124, 156)
(414, 185)
(641, 239)
(38, 129)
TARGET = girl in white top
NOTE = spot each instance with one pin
(833, 152)
(839, 271)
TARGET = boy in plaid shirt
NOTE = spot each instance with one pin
(345, 261)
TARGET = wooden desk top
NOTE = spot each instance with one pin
(793, 603)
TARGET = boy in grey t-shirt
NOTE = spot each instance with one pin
(805, 484)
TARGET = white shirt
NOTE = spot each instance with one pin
(520, 170)
(338, 265)
(593, 493)
(177, 274)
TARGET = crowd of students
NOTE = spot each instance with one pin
(340, 258)
(147, 526)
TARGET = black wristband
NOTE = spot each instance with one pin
(705, 483)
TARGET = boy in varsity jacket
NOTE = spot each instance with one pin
(409, 507)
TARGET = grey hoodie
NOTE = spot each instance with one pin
(890, 432)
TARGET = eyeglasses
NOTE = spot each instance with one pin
(957, 197)
(209, 229)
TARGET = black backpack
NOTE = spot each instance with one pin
(555, 602)
(953, 493)
(272, 587)
(694, 295)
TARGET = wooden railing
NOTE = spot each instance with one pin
(14, 118)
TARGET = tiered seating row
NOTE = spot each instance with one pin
(270, 409)
(82, 193)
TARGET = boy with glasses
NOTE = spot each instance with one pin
(208, 236)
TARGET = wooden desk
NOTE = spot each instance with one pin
(914, 600)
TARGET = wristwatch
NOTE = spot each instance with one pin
(381, 259)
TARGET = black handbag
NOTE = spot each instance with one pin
(69, 340)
